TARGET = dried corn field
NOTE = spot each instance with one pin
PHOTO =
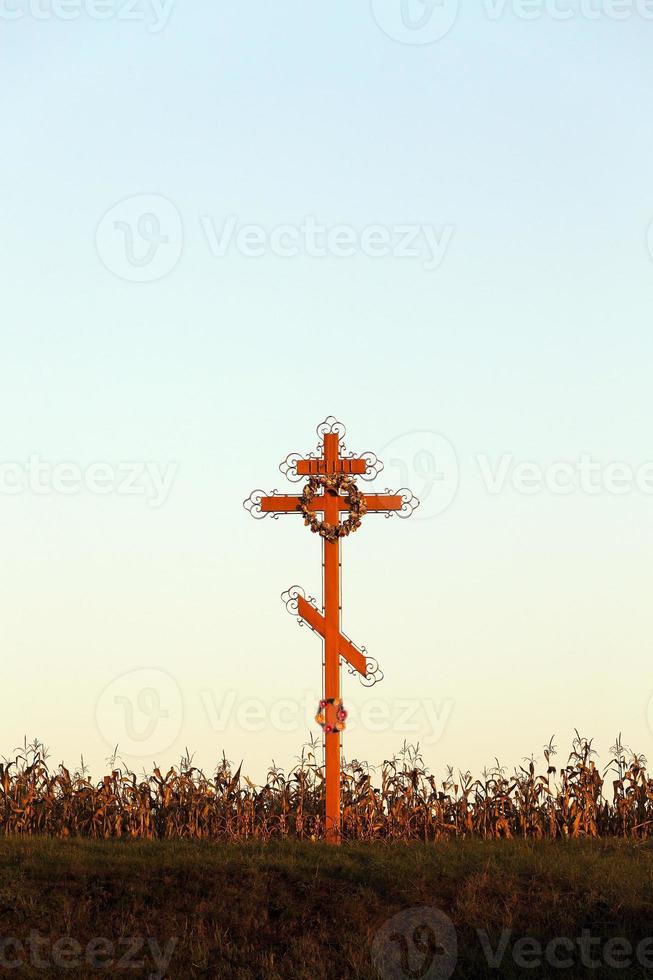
(401, 801)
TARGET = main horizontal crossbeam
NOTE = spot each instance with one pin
(289, 503)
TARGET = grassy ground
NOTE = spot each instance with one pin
(286, 910)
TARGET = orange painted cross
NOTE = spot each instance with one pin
(331, 471)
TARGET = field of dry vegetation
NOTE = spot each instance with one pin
(401, 801)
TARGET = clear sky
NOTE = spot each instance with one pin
(223, 222)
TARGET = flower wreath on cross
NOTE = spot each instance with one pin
(331, 716)
(331, 532)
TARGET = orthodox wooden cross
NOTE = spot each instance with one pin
(331, 472)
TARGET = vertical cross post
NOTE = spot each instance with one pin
(331, 642)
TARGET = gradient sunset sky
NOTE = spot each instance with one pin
(135, 331)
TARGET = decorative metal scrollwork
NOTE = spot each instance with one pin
(253, 504)
(289, 466)
(290, 599)
(374, 674)
(374, 466)
(409, 505)
(331, 426)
